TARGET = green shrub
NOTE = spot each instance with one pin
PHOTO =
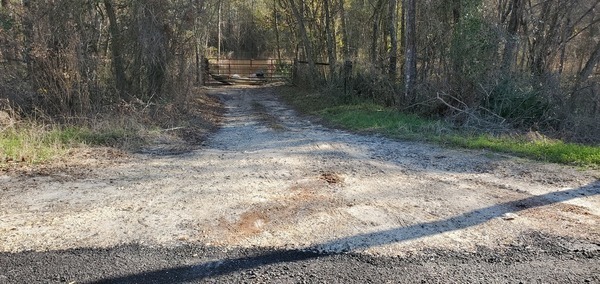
(518, 102)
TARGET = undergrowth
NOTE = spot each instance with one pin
(129, 127)
(369, 117)
(33, 142)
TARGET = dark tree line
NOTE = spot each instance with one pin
(508, 63)
(74, 56)
(529, 64)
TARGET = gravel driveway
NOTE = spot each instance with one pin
(272, 189)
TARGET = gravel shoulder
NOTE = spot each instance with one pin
(539, 262)
(270, 180)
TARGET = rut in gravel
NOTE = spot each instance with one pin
(271, 178)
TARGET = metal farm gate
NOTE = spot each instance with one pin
(249, 71)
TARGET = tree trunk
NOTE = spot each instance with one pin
(393, 68)
(305, 39)
(402, 34)
(583, 75)
(374, 38)
(456, 11)
(199, 79)
(563, 45)
(410, 73)
(539, 44)
(219, 19)
(276, 28)
(457, 56)
(587, 70)
(330, 39)
(116, 51)
(28, 35)
(345, 43)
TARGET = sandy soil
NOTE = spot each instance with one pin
(271, 178)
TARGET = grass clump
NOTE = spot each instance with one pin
(28, 143)
(545, 150)
(374, 118)
(113, 135)
(33, 143)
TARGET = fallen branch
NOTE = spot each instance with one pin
(174, 128)
(470, 114)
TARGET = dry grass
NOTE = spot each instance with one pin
(131, 128)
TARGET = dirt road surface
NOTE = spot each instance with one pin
(272, 194)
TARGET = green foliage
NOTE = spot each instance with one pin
(370, 84)
(518, 102)
(6, 21)
(549, 150)
(308, 102)
(72, 135)
(375, 118)
(474, 47)
(247, 23)
(284, 69)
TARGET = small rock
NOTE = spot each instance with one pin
(509, 216)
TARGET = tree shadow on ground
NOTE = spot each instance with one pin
(201, 271)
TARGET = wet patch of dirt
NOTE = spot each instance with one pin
(332, 178)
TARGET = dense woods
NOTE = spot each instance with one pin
(488, 65)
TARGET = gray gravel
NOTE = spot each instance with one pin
(538, 259)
